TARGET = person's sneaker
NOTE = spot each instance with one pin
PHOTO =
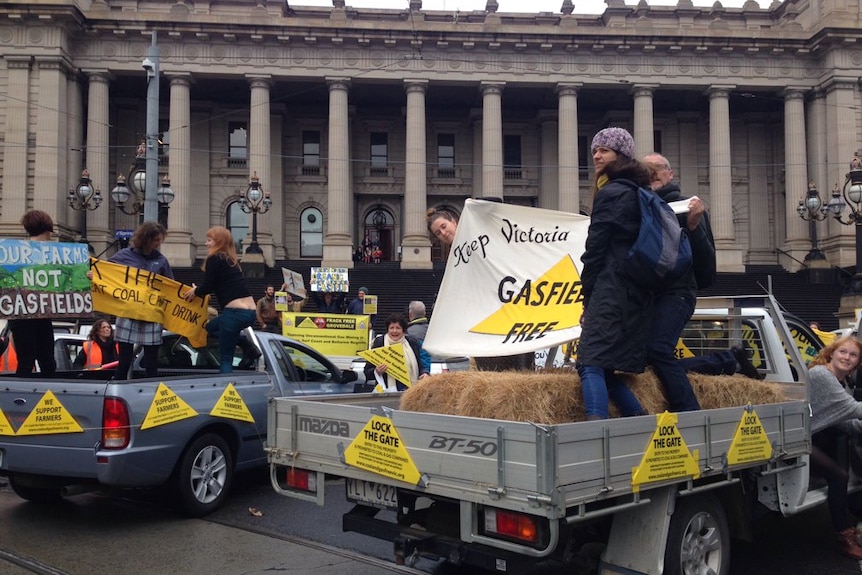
(741, 352)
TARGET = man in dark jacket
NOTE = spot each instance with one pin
(417, 328)
(674, 305)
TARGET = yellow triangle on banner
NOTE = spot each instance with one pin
(232, 406)
(552, 302)
(750, 442)
(306, 322)
(667, 456)
(49, 417)
(5, 426)
(378, 448)
(166, 407)
(682, 350)
(393, 357)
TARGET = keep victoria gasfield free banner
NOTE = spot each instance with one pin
(44, 279)
(512, 282)
(133, 293)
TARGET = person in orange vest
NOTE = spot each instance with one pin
(9, 357)
(100, 347)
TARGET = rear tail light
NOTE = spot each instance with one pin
(115, 424)
(512, 525)
(302, 479)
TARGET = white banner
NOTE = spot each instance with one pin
(512, 282)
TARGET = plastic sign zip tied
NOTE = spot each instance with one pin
(667, 456)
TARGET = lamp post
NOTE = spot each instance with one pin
(851, 195)
(813, 210)
(254, 201)
(130, 198)
(83, 198)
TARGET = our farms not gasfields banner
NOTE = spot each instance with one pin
(44, 279)
(134, 293)
(328, 333)
(512, 282)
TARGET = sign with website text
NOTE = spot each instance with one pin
(134, 293)
(328, 333)
(44, 279)
(512, 282)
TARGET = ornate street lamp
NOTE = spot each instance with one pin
(851, 195)
(129, 198)
(83, 198)
(813, 210)
(254, 201)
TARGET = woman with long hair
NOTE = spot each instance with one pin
(142, 253)
(834, 414)
(442, 224)
(100, 347)
(223, 278)
(614, 324)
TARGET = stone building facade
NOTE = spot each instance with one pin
(356, 121)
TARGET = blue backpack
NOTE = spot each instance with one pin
(661, 253)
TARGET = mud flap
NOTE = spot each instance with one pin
(638, 536)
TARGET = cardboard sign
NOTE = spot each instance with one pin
(294, 283)
(44, 280)
(133, 293)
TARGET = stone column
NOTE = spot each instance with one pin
(569, 178)
(337, 247)
(476, 164)
(415, 246)
(259, 154)
(761, 249)
(549, 156)
(643, 119)
(797, 241)
(728, 254)
(15, 148)
(97, 156)
(50, 187)
(816, 138)
(686, 169)
(178, 244)
(75, 142)
(492, 139)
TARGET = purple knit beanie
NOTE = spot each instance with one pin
(616, 139)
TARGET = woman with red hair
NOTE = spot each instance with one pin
(223, 278)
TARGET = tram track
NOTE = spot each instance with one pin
(28, 564)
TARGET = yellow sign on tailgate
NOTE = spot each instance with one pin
(750, 442)
(329, 333)
(667, 456)
(166, 407)
(49, 417)
(378, 448)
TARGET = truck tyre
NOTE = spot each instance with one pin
(204, 476)
(698, 540)
(35, 494)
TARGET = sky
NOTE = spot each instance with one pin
(526, 6)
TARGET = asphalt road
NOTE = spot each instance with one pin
(259, 531)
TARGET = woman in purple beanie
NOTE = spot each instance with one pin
(614, 326)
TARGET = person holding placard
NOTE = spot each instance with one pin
(396, 332)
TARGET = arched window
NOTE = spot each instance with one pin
(237, 223)
(311, 233)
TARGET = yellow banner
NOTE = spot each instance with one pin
(328, 333)
(134, 293)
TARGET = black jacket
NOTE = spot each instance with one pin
(378, 342)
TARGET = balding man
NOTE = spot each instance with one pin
(417, 328)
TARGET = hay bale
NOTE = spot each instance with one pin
(554, 396)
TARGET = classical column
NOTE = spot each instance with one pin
(259, 154)
(686, 169)
(569, 178)
(643, 119)
(337, 247)
(476, 164)
(797, 240)
(50, 186)
(815, 132)
(415, 245)
(760, 246)
(492, 139)
(549, 156)
(75, 139)
(178, 243)
(728, 254)
(96, 156)
(15, 184)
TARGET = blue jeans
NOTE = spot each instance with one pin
(669, 316)
(598, 385)
(227, 327)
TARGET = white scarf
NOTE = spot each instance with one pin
(409, 358)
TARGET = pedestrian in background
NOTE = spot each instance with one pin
(417, 328)
(267, 316)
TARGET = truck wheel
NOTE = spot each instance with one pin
(204, 476)
(698, 540)
(35, 494)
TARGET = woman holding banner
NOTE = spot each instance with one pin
(223, 277)
(396, 332)
(143, 253)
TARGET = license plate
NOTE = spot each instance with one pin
(369, 492)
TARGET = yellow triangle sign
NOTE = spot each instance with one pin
(378, 448)
(49, 417)
(750, 442)
(551, 302)
(393, 357)
(166, 407)
(232, 406)
(667, 456)
(5, 426)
